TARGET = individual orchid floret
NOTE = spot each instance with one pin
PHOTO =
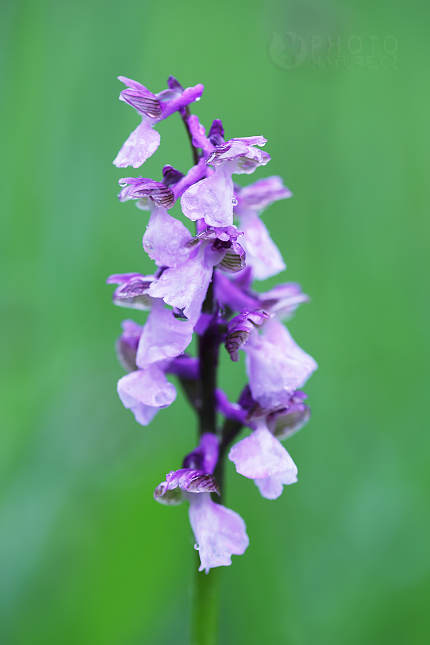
(126, 345)
(263, 458)
(263, 255)
(132, 291)
(165, 239)
(213, 197)
(240, 327)
(289, 420)
(219, 531)
(276, 365)
(144, 141)
(145, 392)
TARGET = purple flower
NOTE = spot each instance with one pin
(263, 458)
(144, 141)
(145, 392)
(213, 197)
(276, 365)
(240, 327)
(133, 290)
(263, 255)
(219, 531)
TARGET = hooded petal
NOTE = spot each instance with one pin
(276, 365)
(145, 392)
(219, 531)
(140, 145)
(132, 291)
(240, 327)
(165, 239)
(141, 188)
(163, 336)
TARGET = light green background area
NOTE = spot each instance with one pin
(86, 556)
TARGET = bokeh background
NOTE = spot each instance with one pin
(86, 555)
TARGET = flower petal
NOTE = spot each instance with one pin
(262, 254)
(165, 239)
(219, 531)
(261, 455)
(163, 336)
(145, 392)
(211, 198)
(185, 286)
(140, 145)
(276, 365)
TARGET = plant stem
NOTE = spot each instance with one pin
(204, 625)
(204, 621)
(208, 355)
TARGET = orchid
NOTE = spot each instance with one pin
(203, 285)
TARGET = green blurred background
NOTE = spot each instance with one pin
(86, 555)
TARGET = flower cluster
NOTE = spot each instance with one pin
(202, 284)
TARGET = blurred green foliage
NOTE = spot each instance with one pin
(86, 556)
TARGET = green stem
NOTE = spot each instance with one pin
(204, 622)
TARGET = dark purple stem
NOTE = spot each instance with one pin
(208, 354)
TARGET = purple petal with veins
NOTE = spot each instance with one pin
(219, 532)
(165, 239)
(276, 365)
(163, 336)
